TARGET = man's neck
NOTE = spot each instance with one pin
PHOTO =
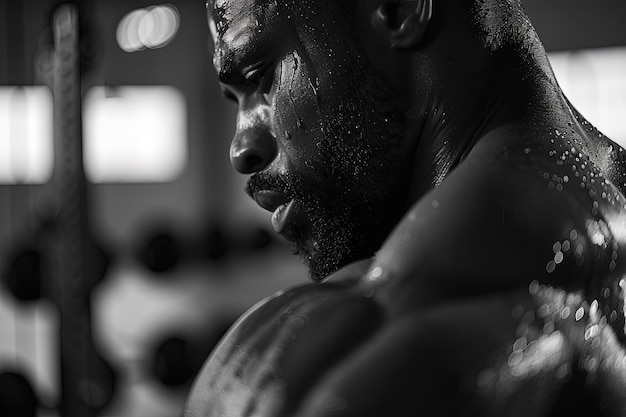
(514, 90)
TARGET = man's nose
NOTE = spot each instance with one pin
(254, 146)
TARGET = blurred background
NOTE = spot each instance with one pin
(168, 248)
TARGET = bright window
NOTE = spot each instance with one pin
(134, 134)
(26, 135)
(594, 80)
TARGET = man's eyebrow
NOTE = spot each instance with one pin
(224, 62)
(225, 75)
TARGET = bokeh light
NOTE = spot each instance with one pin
(149, 28)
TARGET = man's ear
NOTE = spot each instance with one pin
(402, 22)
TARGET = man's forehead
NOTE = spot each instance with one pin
(226, 4)
(230, 9)
(223, 13)
(241, 25)
(234, 24)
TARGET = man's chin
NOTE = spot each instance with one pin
(310, 258)
(332, 235)
(318, 268)
(321, 260)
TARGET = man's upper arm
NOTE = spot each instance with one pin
(452, 359)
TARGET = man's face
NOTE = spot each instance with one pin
(317, 128)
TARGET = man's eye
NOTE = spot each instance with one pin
(262, 80)
(255, 75)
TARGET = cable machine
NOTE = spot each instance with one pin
(69, 262)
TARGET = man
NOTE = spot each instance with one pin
(463, 225)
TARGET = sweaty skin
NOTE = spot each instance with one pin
(486, 277)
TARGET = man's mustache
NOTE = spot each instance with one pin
(263, 181)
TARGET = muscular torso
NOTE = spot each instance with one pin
(499, 293)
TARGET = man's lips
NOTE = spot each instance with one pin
(270, 200)
(282, 206)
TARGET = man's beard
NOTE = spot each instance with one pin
(355, 195)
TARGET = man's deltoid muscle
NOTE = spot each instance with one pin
(464, 227)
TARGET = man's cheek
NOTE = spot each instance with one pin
(298, 96)
(297, 122)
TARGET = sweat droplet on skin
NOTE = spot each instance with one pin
(375, 273)
(558, 258)
(580, 313)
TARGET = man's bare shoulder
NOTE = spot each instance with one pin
(503, 218)
(274, 355)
